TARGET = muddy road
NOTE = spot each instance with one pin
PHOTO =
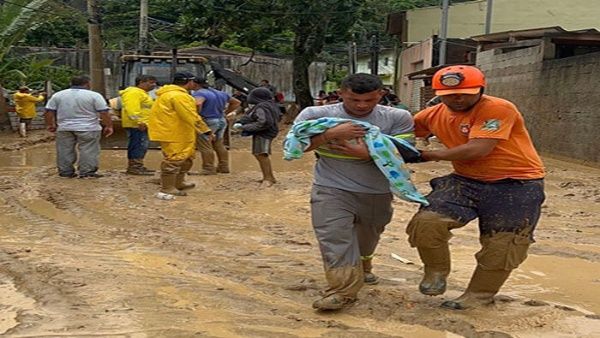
(104, 258)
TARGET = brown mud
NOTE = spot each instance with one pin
(104, 258)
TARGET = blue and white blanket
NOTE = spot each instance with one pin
(382, 149)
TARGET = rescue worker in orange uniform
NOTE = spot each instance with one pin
(174, 122)
(497, 178)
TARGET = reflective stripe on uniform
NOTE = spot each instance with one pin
(326, 153)
(410, 137)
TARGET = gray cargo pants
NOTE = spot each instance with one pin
(347, 225)
(69, 143)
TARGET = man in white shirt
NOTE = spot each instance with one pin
(74, 114)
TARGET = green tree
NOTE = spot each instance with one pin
(16, 18)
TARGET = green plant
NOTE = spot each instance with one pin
(34, 72)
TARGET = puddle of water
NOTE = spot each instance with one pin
(569, 281)
(241, 160)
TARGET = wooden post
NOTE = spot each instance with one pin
(96, 53)
(4, 119)
(143, 42)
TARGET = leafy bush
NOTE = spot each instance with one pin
(33, 72)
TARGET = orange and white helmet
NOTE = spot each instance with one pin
(459, 79)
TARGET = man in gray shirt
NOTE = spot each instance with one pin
(351, 198)
(74, 115)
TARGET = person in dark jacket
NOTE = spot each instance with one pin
(261, 122)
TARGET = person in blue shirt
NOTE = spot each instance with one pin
(213, 107)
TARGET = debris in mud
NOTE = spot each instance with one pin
(303, 285)
(504, 299)
(292, 241)
(534, 302)
(294, 317)
(568, 185)
(402, 259)
(564, 308)
(337, 325)
(492, 334)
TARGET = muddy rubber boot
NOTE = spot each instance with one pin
(333, 302)
(370, 277)
(266, 169)
(437, 269)
(167, 185)
(146, 169)
(22, 129)
(223, 157)
(208, 156)
(168, 177)
(136, 167)
(208, 160)
(484, 285)
(180, 183)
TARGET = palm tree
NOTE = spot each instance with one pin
(16, 18)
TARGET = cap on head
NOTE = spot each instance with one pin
(183, 76)
(23, 89)
(260, 94)
(200, 80)
(458, 79)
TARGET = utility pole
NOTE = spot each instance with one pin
(95, 42)
(443, 33)
(351, 69)
(488, 16)
(143, 42)
(374, 54)
(354, 57)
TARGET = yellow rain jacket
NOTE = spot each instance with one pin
(25, 104)
(174, 117)
(136, 104)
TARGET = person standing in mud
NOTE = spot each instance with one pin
(25, 106)
(261, 122)
(73, 114)
(174, 123)
(135, 111)
(213, 106)
(351, 202)
(498, 178)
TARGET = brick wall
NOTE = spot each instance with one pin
(559, 98)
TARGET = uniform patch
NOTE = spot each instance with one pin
(465, 129)
(491, 125)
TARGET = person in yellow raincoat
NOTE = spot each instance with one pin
(135, 112)
(25, 105)
(174, 122)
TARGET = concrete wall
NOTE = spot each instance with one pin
(415, 58)
(468, 19)
(559, 98)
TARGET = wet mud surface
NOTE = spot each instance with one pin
(104, 258)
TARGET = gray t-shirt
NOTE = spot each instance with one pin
(77, 109)
(357, 175)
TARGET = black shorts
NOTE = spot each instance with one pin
(261, 145)
(24, 120)
(502, 206)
